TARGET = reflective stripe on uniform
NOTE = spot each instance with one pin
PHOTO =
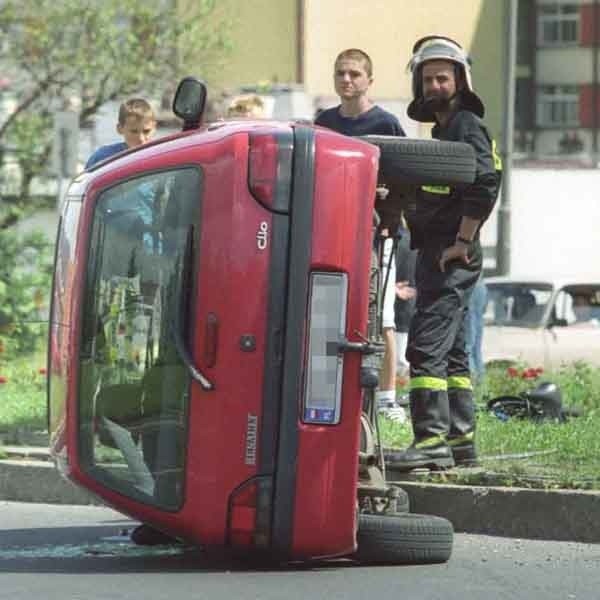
(428, 383)
(467, 438)
(496, 157)
(436, 189)
(461, 382)
(430, 442)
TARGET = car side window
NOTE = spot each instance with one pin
(577, 306)
(517, 304)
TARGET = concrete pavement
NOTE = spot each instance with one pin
(568, 515)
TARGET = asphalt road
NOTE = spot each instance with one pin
(81, 552)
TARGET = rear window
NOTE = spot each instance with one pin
(133, 387)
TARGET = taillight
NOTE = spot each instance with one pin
(326, 327)
(270, 168)
(250, 514)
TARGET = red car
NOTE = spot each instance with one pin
(207, 331)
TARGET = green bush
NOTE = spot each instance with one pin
(25, 280)
(23, 393)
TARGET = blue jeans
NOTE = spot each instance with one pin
(474, 328)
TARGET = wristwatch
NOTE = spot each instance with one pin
(463, 240)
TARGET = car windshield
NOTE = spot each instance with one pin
(517, 304)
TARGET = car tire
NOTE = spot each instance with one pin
(420, 162)
(407, 539)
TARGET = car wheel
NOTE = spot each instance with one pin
(413, 161)
(403, 539)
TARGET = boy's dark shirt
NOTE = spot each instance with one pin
(374, 121)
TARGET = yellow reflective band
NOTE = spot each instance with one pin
(436, 189)
(463, 439)
(496, 157)
(464, 383)
(428, 383)
(430, 442)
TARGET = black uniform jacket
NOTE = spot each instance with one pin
(435, 217)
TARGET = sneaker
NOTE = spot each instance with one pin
(393, 411)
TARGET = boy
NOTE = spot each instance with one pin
(136, 124)
(249, 105)
(358, 115)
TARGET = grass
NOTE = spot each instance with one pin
(561, 455)
(565, 455)
(23, 393)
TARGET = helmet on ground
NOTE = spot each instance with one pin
(439, 47)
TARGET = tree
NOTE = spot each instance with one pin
(94, 51)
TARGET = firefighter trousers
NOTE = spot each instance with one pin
(441, 396)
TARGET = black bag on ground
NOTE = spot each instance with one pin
(542, 403)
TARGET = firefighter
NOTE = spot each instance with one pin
(445, 225)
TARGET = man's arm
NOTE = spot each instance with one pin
(479, 198)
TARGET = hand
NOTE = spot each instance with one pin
(404, 291)
(459, 251)
(381, 192)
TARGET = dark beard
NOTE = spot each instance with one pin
(437, 103)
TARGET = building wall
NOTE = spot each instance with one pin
(566, 60)
(387, 30)
(264, 35)
(565, 66)
(554, 223)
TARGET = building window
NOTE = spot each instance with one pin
(558, 106)
(558, 24)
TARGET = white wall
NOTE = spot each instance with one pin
(555, 222)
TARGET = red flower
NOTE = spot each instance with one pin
(512, 372)
(529, 374)
(3, 379)
(42, 371)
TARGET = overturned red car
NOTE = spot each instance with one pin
(208, 340)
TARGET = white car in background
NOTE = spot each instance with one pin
(542, 322)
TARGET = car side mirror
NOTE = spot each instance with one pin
(189, 102)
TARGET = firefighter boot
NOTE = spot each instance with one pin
(430, 421)
(461, 438)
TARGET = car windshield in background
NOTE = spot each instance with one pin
(517, 304)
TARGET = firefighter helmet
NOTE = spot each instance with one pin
(438, 47)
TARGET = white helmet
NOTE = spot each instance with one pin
(439, 47)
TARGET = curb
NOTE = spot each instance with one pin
(562, 515)
(39, 481)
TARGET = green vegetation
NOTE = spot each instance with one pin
(522, 452)
(514, 452)
(25, 279)
(80, 55)
(23, 393)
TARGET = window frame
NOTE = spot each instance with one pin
(552, 98)
(561, 18)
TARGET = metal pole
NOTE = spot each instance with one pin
(595, 31)
(503, 241)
